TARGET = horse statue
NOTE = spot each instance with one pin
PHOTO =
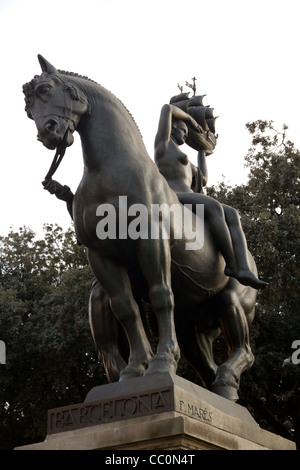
(191, 298)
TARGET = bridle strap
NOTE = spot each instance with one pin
(61, 149)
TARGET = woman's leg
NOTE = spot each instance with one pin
(240, 247)
(214, 215)
(228, 235)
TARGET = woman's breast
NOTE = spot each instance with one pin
(178, 173)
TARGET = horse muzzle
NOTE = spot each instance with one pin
(53, 130)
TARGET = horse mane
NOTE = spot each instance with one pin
(28, 90)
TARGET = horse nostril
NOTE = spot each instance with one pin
(51, 126)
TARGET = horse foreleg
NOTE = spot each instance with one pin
(155, 262)
(235, 328)
(115, 280)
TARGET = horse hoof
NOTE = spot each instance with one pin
(225, 391)
(161, 364)
(226, 384)
(130, 373)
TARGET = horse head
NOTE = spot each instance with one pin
(55, 104)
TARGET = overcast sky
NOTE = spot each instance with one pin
(244, 54)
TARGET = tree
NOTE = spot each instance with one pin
(269, 207)
(50, 356)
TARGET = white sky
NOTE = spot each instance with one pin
(245, 55)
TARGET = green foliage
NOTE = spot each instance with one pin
(269, 209)
(50, 357)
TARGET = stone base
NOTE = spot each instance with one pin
(161, 412)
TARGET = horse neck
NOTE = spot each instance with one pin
(108, 131)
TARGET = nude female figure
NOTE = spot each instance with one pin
(180, 173)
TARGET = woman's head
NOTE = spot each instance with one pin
(179, 131)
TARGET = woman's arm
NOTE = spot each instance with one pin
(169, 112)
(202, 167)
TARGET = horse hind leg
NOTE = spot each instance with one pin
(107, 333)
(197, 350)
(206, 366)
(235, 328)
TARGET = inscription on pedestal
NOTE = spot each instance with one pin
(114, 409)
(195, 411)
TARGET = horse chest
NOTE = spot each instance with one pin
(96, 222)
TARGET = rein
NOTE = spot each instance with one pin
(56, 162)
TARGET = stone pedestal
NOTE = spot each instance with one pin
(159, 412)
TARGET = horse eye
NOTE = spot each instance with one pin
(43, 89)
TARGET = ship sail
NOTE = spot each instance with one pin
(204, 116)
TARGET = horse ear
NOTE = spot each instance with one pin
(46, 66)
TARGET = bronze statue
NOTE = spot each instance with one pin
(157, 270)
